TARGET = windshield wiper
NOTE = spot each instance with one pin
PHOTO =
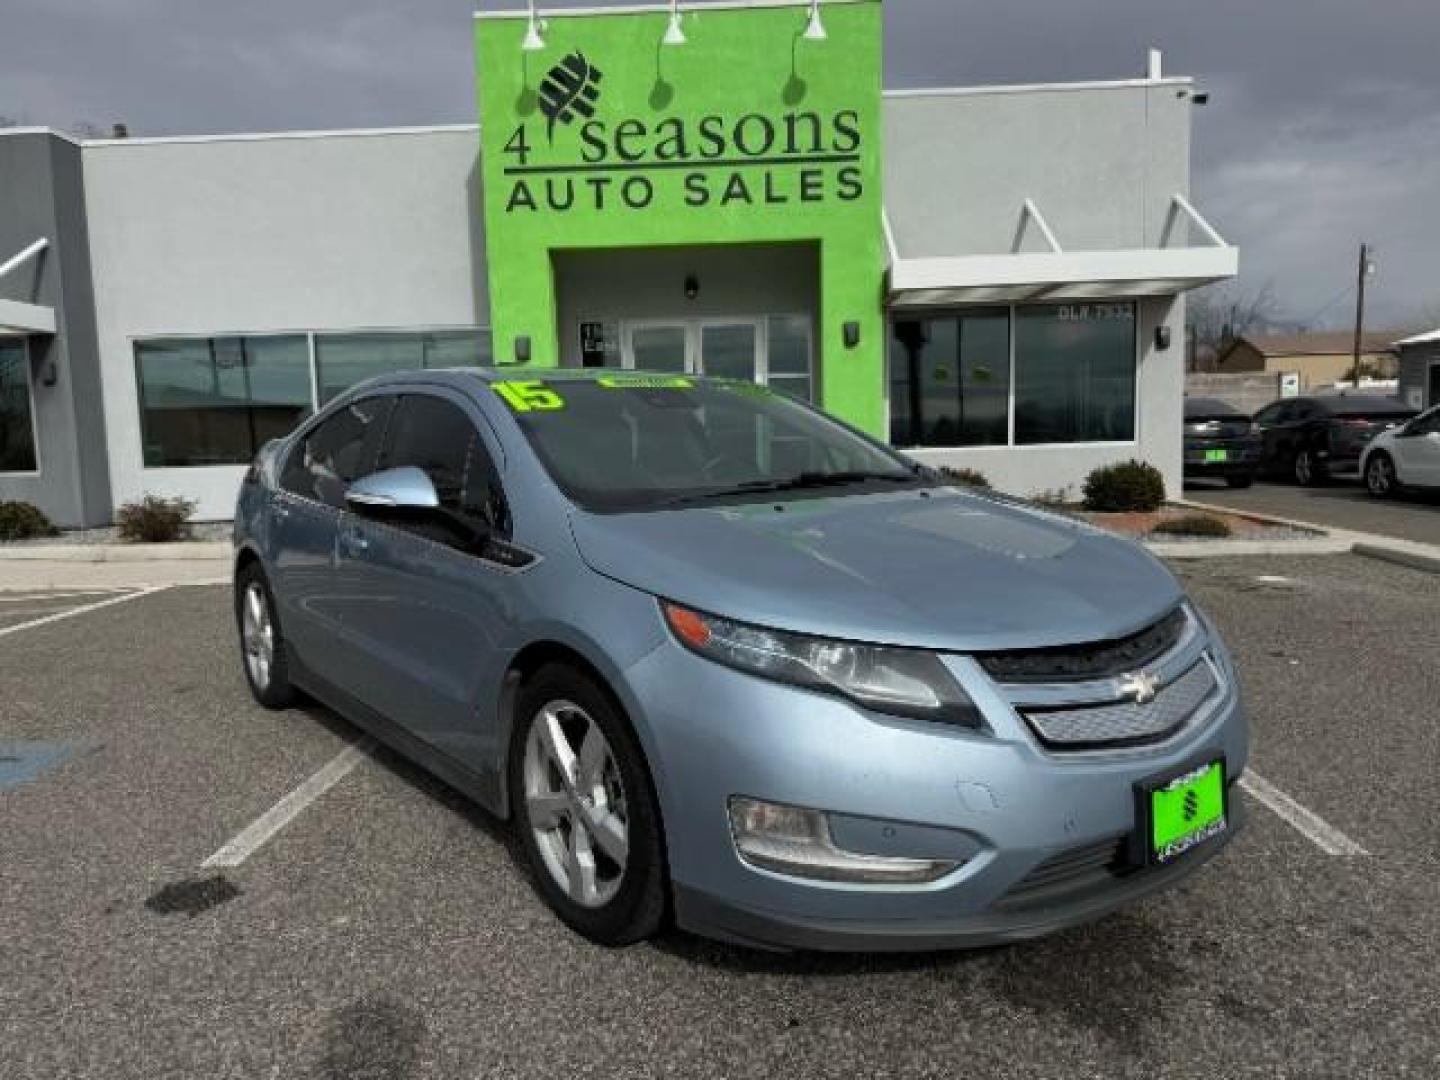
(800, 482)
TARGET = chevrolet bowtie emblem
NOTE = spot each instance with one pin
(1139, 686)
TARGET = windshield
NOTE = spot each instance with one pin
(634, 442)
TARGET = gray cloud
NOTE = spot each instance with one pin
(1324, 126)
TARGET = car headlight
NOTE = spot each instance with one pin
(898, 682)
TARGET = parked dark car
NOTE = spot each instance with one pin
(1312, 439)
(1220, 442)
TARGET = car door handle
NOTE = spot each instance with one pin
(279, 509)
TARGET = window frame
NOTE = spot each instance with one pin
(27, 365)
(957, 311)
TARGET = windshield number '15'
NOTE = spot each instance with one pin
(525, 397)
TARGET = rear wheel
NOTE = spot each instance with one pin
(1380, 478)
(262, 648)
(585, 810)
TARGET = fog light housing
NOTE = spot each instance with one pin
(796, 842)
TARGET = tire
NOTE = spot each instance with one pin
(1381, 480)
(1241, 480)
(567, 820)
(1307, 471)
(262, 654)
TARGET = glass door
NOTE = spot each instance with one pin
(730, 349)
(658, 347)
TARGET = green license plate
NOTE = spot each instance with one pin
(1214, 457)
(1183, 811)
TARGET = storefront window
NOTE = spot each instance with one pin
(343, 360)
(17, 427)
(216, 401)
(950, 379)
(1075, 373)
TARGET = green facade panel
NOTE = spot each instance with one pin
(749, 132)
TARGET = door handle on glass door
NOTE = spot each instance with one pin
(353, 541)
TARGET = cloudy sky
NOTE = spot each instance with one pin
(1323, 127)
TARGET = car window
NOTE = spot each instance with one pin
(1270, 414)
(339, 450)
(435, 436)
(1428, 423)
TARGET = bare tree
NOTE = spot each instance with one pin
(1217, 315)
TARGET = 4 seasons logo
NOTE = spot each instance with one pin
(569, 89)
(792, 156)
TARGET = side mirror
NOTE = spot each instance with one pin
(393, 491)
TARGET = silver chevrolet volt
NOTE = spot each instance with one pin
(726, 662)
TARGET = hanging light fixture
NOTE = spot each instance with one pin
(534, 40)
(815, 29)
(674, 33)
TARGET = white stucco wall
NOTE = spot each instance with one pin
(255, 234)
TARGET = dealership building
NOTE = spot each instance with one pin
(988, 277)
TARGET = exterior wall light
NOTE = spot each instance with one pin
(851, 331)
(692, 286)
(522, 349)
(815, 29)
(534, 40)
(674, 33)
(1162, 338)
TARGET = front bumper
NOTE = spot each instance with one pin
(907, 789)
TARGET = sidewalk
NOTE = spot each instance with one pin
(40, 567)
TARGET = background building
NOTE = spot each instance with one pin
(992, 277)
(1420, 369)
(1320, 359)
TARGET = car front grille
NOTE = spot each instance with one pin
(1125, 723)
(1096, 660)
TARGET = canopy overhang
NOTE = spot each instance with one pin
(1056, 274)
(17, 318)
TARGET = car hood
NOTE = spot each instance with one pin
(940, 569)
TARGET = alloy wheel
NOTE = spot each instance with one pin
(1380, 476)
(575, 803)
(257, 631)
(1304, 467)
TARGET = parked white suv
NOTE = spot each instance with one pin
(1407, 456)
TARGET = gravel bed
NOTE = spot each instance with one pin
(199, 531)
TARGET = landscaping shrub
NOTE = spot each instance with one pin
(23, 521)
(1117, 489)
(155, 519)
(1194, 525)
(969, 477)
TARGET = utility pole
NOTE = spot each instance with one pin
(1366, 269)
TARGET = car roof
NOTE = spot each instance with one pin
(1372, 403)
(1204, 406)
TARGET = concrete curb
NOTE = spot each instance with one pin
(1415, 560)
(1389, 549)
(1214, 549)
(183, 551)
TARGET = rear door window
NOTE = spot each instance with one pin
(339, 450)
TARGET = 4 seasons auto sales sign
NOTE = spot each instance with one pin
(748, 132)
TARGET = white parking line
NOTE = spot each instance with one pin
(1307, 823)
(31, 597)
(82, 610)
(254, 836)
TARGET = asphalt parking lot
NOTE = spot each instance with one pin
(386, 931)
(1340, 505)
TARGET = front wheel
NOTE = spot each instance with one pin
(1308, 471)
(585, 810)
(1380, 479)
